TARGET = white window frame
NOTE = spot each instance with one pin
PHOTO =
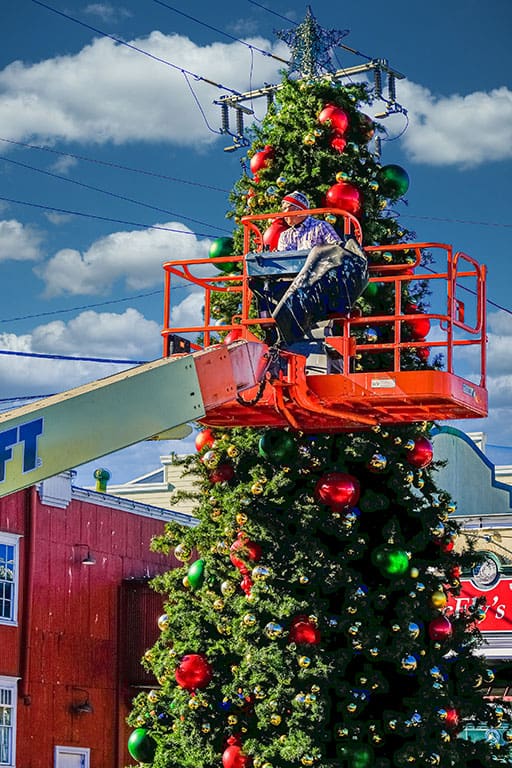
(84, 752)
(11, 684)
(13, 540)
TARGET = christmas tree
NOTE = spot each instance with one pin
(307, 624)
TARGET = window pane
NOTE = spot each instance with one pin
(7, 575)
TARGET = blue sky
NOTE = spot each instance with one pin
(90, 285)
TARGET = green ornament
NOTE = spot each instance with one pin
(196, 574)
(393, 181)
(142, 746)
(361, 756)
(391, 561)
(371, 290)
(277, 445)
(222, 246)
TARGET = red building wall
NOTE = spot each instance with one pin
(69, 634)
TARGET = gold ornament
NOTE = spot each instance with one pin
(218, 604)
(273, 630)
(241, 518)
(307, 760)
(210, 459)
(258, 692)
(275, 719)
(193, 703)
(215, 513)
(438, 599)
(232, 719)
(260, 573)
(228, 588)
(281, 181)
(331, 219)
(183, 553)
(256, 489)
(185, 582)
(342, 176)
(373, 185)
(249, 619)
(163, 622)
(309, 139)
(232, 451)
(206, 727)
(149, 655)
(387, 257)
(304, 662)
(152, 696)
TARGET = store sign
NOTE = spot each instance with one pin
(498, 604)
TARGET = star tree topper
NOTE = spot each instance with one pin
(311, 46)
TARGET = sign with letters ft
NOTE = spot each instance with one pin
(25, 435)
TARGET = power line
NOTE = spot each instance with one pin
(136, 48)
(114, 165)
(71, 357)
(221, 31)
(456, 221)
(105, 218)
(84, 306)
(105, 191)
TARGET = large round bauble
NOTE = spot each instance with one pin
(303, 631)
(272, 234)
(222, 474)
(196, 574)
(261, 159)
(204, 438)
(421, 454)
(233, 756)
(361, 756)
(393, 181)
(337, 489)
(141, 746)
(222, 246)
(419, 327)
(392, 561)
(440, 629)
(345, 196)
(336, 116)
(244, 549)
(277, 445)
(193, 672)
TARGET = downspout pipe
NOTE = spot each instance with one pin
(28, 594)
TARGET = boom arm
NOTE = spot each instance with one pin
(149, 401)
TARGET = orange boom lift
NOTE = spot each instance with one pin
(290, 394)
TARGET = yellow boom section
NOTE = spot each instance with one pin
(149, 401)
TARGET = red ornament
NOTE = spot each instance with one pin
(422, 453)
(303, 631)
(193, 672)
(345, 196)
(271, 235)
(261, 159)
(440, 629)
(222, 474)
(246, 549)
(204, 438)
(419, 327)
(246, 583)
(452, 719)
(455, 572)
(447, 546)
(337, 489)
(423, 353)
(338, 144)
(233, 757)
(337, 117)
(233, 335)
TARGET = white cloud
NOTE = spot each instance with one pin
(91, 334)
(133, 257)
(106, 12)
(465, 131)
(18, 242)
(109, 92)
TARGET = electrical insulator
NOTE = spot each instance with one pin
(377, 82)
(391, 87)
(239, 122)
(224, 118)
